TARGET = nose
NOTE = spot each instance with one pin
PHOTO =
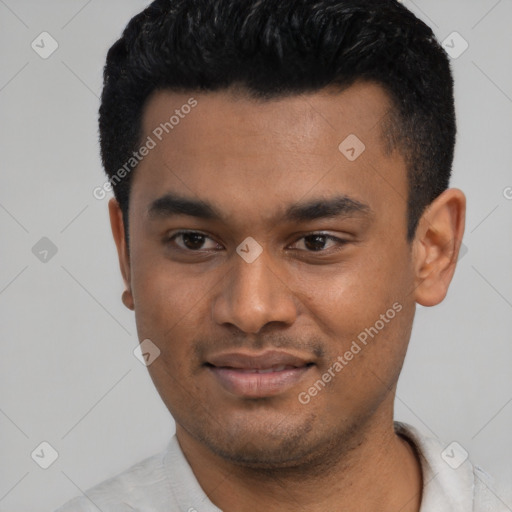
(254, 295)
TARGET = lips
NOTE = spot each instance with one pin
(263, 361)
(258, 375)
(279, 368)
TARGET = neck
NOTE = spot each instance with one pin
(380, 472)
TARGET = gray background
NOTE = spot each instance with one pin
(68, 375)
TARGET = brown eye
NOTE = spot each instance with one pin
(317, 242)
(191, 241)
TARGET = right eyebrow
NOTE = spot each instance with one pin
(171, 204)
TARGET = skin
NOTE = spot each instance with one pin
(251, 160)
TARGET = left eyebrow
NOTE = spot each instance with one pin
(339, 206)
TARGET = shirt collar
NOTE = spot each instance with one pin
(445, 488)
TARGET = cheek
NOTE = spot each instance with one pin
(354, 296)
(366, 322)
(168, 312)
(164, 299)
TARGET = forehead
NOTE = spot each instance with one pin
(250, 156)
(297, 119)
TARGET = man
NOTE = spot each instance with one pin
(281, 171)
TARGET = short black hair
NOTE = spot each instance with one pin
(279, 48)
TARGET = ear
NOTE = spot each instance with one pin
(436, 246)
(117, 225)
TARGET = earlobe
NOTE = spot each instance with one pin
(436, 246)
(127, 300)
(117, 225)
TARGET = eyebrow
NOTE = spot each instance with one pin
(339, 206)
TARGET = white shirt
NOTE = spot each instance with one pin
(165, 483)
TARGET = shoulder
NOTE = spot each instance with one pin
(451, 481)
(144, 484)
(488, 497)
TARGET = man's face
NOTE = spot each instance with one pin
(243, 341)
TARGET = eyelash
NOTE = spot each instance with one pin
(341, 242)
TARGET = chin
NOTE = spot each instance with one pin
(261, 445)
